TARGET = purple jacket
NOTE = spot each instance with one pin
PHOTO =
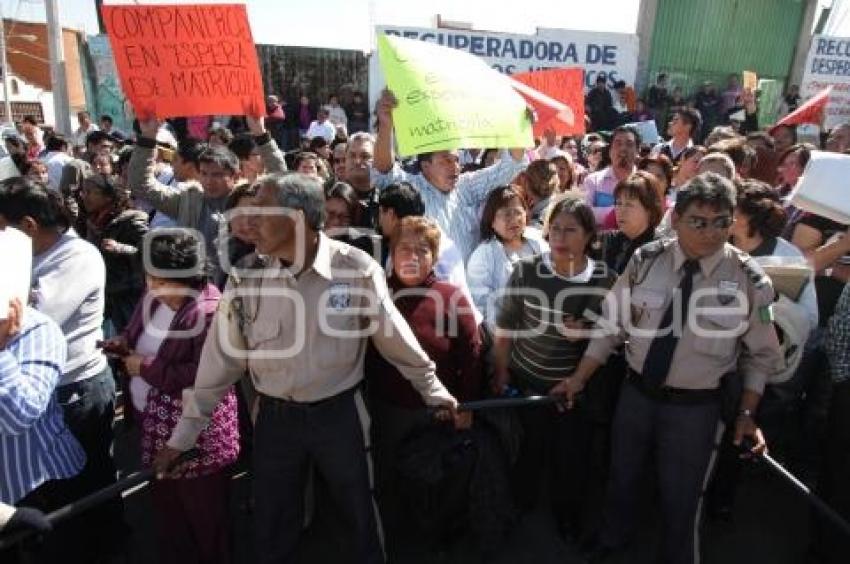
(174, 369)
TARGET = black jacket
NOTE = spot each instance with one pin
(124, 270)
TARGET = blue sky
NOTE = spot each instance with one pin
(346, 23)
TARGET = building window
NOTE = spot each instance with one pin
(15, 90)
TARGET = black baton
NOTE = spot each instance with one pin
(503, 402)
(820, 505)
(96, 498)
(496, 403)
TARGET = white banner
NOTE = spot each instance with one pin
(828, 63)
(613, 55)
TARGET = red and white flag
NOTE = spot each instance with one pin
(810, 112)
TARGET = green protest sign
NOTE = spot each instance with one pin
(770, 98)
(448, 99)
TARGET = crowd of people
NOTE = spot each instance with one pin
(286, 291)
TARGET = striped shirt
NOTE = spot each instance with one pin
(35, 444)
(457, 211)
(534, 309)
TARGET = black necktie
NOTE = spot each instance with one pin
(660, 355)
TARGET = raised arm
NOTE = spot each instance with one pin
(273, 159)
(474, 187)
(384, 155)
(141, 177)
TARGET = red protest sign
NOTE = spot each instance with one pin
(185, 60)
(565, 86)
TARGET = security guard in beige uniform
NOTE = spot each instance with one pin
(670, 405)
(299, 324)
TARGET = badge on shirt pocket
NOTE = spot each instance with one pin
(339, 296)
(727, 290)
(644, 301)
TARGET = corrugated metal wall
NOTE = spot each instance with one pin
(315, 72)
(697, 40)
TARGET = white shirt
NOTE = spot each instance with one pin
(490, 267)
(68, 282)
(54, 161)
(337, 116)
(80, 135)
(582, 277)
(321, 129)
(147, 346)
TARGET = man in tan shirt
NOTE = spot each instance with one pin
(298, 323)
(689, 312)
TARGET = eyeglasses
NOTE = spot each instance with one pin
(702, 223)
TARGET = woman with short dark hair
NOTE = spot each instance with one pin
(160, 350)
(759, 221)
(638, 211)
(342, 214)
(342, 207)
(117, 231)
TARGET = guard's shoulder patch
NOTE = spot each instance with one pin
(652, 249)
(755, 273)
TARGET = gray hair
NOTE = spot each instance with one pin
(723, 161)
(709, 189)
(360, 137)
(299, 192)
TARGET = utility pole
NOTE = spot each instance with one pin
(7, 103)
(58, 78)
(98, 4)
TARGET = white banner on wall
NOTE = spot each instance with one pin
(828, 63)
(613, 55)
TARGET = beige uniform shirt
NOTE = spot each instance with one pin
(303, 339)
(730, 325)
